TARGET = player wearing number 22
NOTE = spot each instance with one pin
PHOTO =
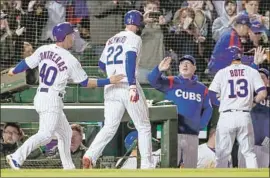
(121, 56)
(56, 66)
(236, 85)
(193, 105)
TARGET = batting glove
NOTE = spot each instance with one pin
(133, 93)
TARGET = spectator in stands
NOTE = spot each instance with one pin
(183, 36)
(77, 148)
(152, 39)
(13, 136)
(205, 6)
(106, 20)
(224, 22)
(219, 6)
(252, 9)
(56, 14)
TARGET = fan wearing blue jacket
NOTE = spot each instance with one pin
(193, 105)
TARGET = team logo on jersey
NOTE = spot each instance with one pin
(188, 95)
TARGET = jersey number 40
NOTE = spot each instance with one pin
(48, 75)
(113, 54)
(242, 88)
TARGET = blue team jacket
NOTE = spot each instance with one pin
(221, 56)
(260, 118)
(191, 97)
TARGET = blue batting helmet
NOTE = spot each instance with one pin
(133, 17)
(61, 30)
(235, 53)
(130, 138)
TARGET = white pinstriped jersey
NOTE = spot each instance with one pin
(56, 67)
(236, 85)
(114, 53)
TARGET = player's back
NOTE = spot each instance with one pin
(238, 83)
(54, 67)
(114, 53)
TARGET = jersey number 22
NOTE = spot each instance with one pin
(112, 58)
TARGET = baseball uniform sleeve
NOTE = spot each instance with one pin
(216, 83)
(76, 72)
(102, 61)
(33, 60)
(258, 82)
(207, 110)
(134, 44)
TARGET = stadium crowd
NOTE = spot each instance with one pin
(171, 28)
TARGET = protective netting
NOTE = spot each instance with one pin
(171, 27)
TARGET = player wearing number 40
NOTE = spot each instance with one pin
(236, 85)
(56, 66)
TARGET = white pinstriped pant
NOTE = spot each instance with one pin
(116, 102)
(262, 154)
(233, 125)
(52, 122)
(187, 150)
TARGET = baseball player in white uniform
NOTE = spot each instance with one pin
(236, 85)
(56, 66)
(121, 56)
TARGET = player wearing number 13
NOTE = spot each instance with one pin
(56, 66)
(236, 85)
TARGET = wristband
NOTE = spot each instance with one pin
(103, 82)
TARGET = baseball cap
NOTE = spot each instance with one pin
(235, 53)
(243, 19)
(264, 71)
(61, 30)
(257, 27)
(230, 1)
(188, 57)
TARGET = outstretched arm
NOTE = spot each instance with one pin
(156, 79)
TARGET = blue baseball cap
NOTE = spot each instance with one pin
(61, 30)
(189, 58)
(243, 19)
(257, 27)
(264, 71)
(130, 138)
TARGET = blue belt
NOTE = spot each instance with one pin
(235, 110)
(46, 90)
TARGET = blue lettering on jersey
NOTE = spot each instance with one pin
(48, 75)
(49, 55)
(116, 52)
(117, 39)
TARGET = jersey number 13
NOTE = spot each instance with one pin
(242, 91)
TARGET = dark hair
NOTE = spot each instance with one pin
(157, 2)
(230, 1)
(15, 125)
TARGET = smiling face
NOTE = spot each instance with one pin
(231, 9)
(187, 68)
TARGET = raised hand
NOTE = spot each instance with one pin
(165, 64)
(259, 55)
